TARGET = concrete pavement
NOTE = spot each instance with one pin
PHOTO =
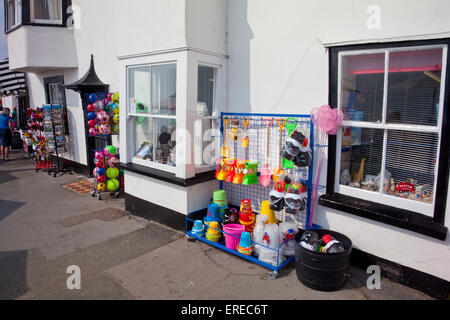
(45, 228)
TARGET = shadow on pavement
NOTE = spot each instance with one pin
(7, 207)
(13, 281)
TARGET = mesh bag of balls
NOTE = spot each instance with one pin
(106, 171)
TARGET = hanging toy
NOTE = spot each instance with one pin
(296, 197)
(251, 173)
(240, 167)
(224, 170)
(232, 170)
(276, 195)
(293, 145)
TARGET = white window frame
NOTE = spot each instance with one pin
(17, 14)
(44, 21)
(379, 196)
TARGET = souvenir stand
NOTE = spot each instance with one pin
(251, 171)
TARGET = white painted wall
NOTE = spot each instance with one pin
(278, 63)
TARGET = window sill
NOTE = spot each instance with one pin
(167, 176)
(382, 213)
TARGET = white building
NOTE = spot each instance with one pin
(264, 56)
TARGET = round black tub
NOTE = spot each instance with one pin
(323, 271)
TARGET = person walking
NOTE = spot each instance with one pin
(6, 130)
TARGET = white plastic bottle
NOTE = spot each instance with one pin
(271, 240)
(258, 231)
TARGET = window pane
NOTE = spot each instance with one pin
(414, 87)
(206, 90)
(410, 164)
(155, 140)
(361, 157)
(139, 90)
(362, 85)
(164, 89)
(47, 10)
(14, 13)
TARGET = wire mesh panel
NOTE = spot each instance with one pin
(266, 135)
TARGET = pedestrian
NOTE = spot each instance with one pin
(14, 117)
(6, 130)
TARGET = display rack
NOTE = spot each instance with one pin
(256, 151)
(54, 136)
(113, 194)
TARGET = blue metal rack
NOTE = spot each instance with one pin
(256, 150)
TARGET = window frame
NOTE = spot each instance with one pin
(16, 24)
(402, 218)
(45, 21)
(417, 206)
(133, 117)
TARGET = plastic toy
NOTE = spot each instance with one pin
(113, 161)
(245, 246)
(101, 187)
(101, 179)
(104, 129)
(246, 215)
(276, 195)
(113, 184)
(93, 131)
(266, 174)
(115, 97)
(232, 170)
(230, 216)
(99, 163)
(296, 197)
(198, 229)
(278, 172)
(220, 198)
(291, 125)
(100, 171)
(102, 117)
(90, 108)
(303, 158)
(99, 155)
(213, 213)
(224, 151)
(232, 234)
(110, 151)
(91, 116)
(92, 123)
(244, 140)
(251, 173)
(293, 145)
(213, 232)
(266, 210)
(239, 176)
(116, 119)
(224, 170)
(112, 173)
(93, 98)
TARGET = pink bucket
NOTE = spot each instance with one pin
(233, 235)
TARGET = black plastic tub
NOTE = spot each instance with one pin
(323, 271)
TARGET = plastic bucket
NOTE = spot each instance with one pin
(322, 271)
(233, 235)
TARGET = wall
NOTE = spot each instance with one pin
(278, 63)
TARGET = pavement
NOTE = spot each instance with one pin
(45, 228)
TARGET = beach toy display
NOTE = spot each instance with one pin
(108, 177)
(103, 114)
(232, 233)
(245, 245)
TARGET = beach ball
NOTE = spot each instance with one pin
(99, 155)
(102, 117)
(93, 131)
(113, 184)
(113, 161)
(92, 98)
(101, 179)
(91, 108)
(101, 187)
(110, 151)
(112, 173)
(104, 129)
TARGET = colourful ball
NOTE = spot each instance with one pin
(115, 97)
(101, 179)
(92, 98)
(113, 161)
(95, 172)
(112, 173)
(110, 151)
(102, 117)
(99, 155)
(114, 108)
(104, 129)
(116, 119)
(93, 131)
(92, 123)
(91, 108)
(99, 163)
(113, 184)
(101, 171)
(101, 187)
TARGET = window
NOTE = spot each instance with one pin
(46, 11)
(55, 94)
(13, 13)
(207, 121)
(152, 103)
(388, 147)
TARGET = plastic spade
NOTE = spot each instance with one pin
(244, 140)
(224, 151)
(278, 172)
(266, 173)
(291, 125)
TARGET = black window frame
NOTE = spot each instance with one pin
(26, 16)
(404, 219)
